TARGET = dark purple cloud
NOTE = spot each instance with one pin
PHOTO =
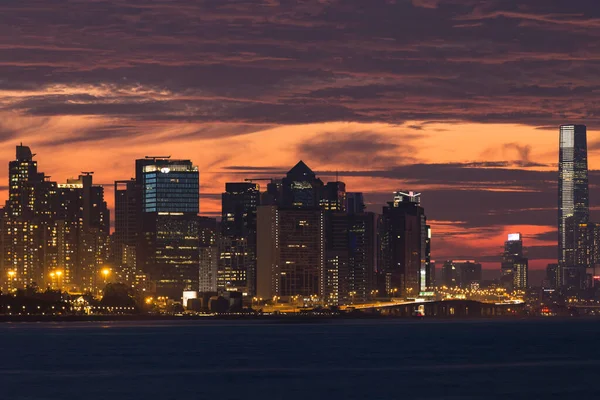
(287, 62)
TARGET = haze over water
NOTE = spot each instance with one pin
(324, 360)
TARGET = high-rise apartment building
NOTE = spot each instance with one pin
(82, 222)
(28, 247)
(52, 234)
(237, 261)
(573, 201)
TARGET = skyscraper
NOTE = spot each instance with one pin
(362, 259)
(355, 203)
(429, 282)
(127, 220)
(209, 254)
(28, 247)
(301, 188)
(237, 261)
(403, 236)
(573, 200)
(514, 264)
(169, 237)
(336, 277)
(291, 252)
(334, 196)
(82, 221)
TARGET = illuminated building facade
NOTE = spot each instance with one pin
(521, 274)
(209, 254)
(82, 222)
(429, 281)
(28, 239)
(336, 277)
(52, 234)
(514, 266)
(291, 252)
(573, 201)
(169, 238)
(237, 260)
(403, 237)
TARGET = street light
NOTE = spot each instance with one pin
(105, 272)
(11, 277)
(58, 279)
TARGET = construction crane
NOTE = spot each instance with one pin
(87, 173)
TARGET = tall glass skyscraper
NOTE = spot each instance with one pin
(573, 196)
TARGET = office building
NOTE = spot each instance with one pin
(573, 201)
(237, 261)
(169, 235)
(552, 276)
(362, 257)
(291, 252)
(336, 279)
(462, 274)
(355, 203)
(334, 197)
(403, 237)
(301, 188)
(429, 281)
(514, 266)
(209, 254)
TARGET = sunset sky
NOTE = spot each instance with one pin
(458, 99)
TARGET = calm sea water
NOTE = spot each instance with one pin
(545, 359)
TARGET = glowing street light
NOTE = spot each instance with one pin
(11, 278)
(105, 273)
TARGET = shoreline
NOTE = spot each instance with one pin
(263, 318)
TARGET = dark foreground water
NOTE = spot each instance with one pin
(545, 359)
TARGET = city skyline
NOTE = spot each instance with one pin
(489, 261)
(421, 94)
